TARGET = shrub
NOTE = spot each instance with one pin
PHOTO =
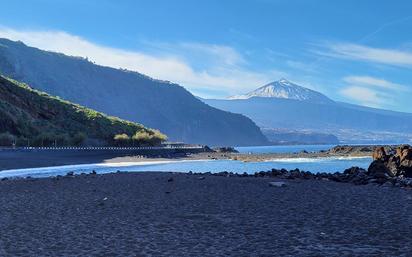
(141, 137)
(151, 137)
(121, 139)
(159, 135)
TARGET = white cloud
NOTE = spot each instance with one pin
(225, 72)
(369, 54)
(371, 91)
(375, 82)
(224, 54)
(364, 96)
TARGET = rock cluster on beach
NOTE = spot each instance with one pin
(397, 163)
(390, 167)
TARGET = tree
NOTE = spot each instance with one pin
(6, 139)
(79, 138)
(45, 139)
(22, 141)
(61, 140)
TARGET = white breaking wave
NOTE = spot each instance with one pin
(100, 168)
(318, 159)
(316, 164)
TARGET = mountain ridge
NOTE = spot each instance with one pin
(129, 95)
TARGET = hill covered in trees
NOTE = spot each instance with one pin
(31, 117)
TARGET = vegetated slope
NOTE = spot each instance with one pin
(128, 95)
(37, 118)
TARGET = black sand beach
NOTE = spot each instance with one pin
(166, 214)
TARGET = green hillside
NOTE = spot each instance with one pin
(31, 117)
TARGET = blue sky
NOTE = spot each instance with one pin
(354, 51)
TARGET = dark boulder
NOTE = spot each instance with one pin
(393, 165)
(404, 154)
(70, 174)
(378, 169)
(355, 175)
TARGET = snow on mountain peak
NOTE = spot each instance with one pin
(286, 90)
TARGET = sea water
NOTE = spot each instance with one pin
(328, 164)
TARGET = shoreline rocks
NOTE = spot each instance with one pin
(226, 149)
(390, 167)
(354, 175)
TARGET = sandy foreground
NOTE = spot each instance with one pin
(169, 214)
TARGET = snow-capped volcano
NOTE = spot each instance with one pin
(286, 90)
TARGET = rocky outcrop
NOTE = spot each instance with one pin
(359, 149)
(226, 149)
(397, 163)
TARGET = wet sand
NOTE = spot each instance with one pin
(38, 159)
(166, 214)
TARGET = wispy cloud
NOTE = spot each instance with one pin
(364, 53)
(364, 96)
(223, 69)
(371, 91)
(375, 82)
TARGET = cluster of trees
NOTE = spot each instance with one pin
(49, 139)
(43, 140)
(140, 138)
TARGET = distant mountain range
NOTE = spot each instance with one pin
(30, 117)
(283, 105)
(285, 89)
(128, 95)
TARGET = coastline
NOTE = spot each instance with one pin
(37, 159)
